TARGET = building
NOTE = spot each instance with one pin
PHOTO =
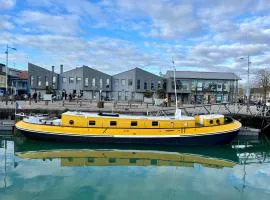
(202, 87)
(2, 83)
(2, 79)
(42, 80)
(19, 84)
(82, 81)
(199, 87)
(17, 81)
(259, 93)
(86, 82)
(132, 84)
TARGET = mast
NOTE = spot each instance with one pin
(175, 93)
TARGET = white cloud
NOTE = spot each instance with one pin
(42, 22)
(7, 4)
(6, 24)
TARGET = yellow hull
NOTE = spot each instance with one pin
(129, 132)
(204, 135)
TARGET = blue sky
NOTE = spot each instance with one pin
(113, 36)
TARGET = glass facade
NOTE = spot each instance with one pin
(203, 91)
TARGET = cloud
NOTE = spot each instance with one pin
(5, 23)
(40, 22)
(7, 4)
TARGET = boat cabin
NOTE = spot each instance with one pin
(92, 120)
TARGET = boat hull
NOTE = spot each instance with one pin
(191, 140)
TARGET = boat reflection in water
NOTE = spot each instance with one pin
(74, 155)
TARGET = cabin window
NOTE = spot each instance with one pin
(133, 160)
(90, 160)
(154, 123)
(113, 123)
(134, 123)
(154, 162)
(71, 122)
(112, 160)
(211, 121)
(218, 121)
(92, 123)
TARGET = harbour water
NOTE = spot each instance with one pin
(42, 170)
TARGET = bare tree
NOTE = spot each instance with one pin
(263, 80)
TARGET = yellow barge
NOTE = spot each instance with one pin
(114, 128)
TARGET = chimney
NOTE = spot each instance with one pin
(52, 69)
(61, 69)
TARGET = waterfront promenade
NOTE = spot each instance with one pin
(136, 108)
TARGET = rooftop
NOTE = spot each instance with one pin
(203, 75)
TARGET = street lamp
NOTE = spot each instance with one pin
(248, 64)
(248, 86)
(174, 79)
(12, 48)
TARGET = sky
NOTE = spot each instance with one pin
(114, 36)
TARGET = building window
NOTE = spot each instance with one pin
(32, 80)
(86, 82)
(159, 84)
(92, 123)
(64, 80)
(54, 81)
(38, 81)
(145, 85)
(100, 83)
(113, 123)
(78, 80)
(94, 82)
(133, 123)
(108, 83)
(123, 82)
(152, 86)
(46, 81)
(116, 83)
(129, 82)
(71, 80)
(138, 84)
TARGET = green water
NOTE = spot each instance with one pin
(68, 171)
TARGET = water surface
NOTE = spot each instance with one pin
(42, 170)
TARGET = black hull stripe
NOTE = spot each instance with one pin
(127, 136)
(206, 140)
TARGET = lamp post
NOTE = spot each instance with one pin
(7, 66)
(248, 86)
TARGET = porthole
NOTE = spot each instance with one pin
(71, 122)
(92, 123)
(134, 123)
(154, 123)
(211, 121)
(218, 121)
(113, 123)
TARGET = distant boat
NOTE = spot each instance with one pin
(107, 128)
